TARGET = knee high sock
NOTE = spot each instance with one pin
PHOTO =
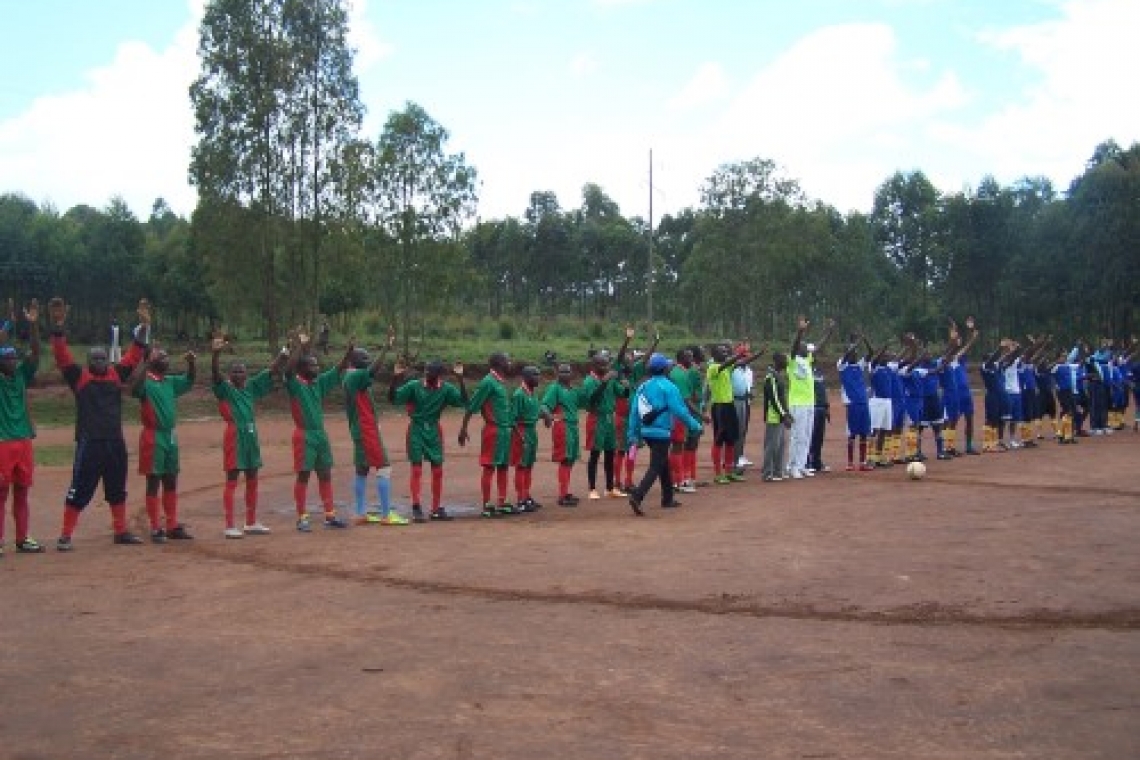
(250, 499)
(325, 488)
(436, 485)
(3, 511)
(502, 474)
(359, 486)
(70, 520)
(716, 458)
(228, 492)
(608, 467)
(564, 479)
(384, 493)
(520, 484)
(118, 519)
(485, 483)
(152, 506)
(690, 464)
(728, 458)
(170, 508)
(677, 466)
(416, 485)
(21, 511)
(300, 493)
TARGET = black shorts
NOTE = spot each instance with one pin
(726, 428)
(932, 411)
(1068, 402)
(104, 460)
(1047, 403)
(1030, 405)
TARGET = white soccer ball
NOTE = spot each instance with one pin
(916, 471)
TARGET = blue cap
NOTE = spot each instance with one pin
(8, 352)
(658, 363)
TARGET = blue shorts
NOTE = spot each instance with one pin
(858, 420)
(914, 410)
(950, 408)
(1016, 413)
(966, 403)
(898, 412)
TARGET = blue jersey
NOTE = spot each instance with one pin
(882, 381)
(926, 377)
(1045, 380)
(962, 376)
(852, 384)
(993, 379)
(898, 389)
(1066, 376)
(949, 379)
(1028, 377)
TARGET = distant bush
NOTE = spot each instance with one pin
(506, 329)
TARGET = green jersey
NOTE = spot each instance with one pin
(801, 381)
(359, 403)
(602, 403)
(236, 405)
(426, 404)
(158, 392)
(524, 407)
(490, 400)
(305, 398)
(559, 399)
(682, 377)
(720, 383)
(15, 422)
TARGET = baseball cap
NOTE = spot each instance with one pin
(658, 362)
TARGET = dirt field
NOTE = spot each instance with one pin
(989, 611)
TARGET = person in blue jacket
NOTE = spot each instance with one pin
(651, 417)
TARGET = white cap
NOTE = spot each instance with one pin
(810, 348)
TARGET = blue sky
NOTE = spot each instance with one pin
(552, 94)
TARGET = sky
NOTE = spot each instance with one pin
(552, 94)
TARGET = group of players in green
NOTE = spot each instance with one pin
(629, 400)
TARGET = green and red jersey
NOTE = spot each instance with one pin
(563, 401)
(305, 398)
(524, 407)
(15, 422)
(604, 405)
(359, 403)
(425, 403)
(236, 405)
(159, 411)
(490, 400)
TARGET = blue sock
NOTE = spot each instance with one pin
(384, 493)
(358, 491)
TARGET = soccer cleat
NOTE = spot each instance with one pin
(63, 544)
(944, 456)
(743, 462)
(615, 493)
(850, 467)
(735, 478)
(257, 529)
(304, 525)
(686, 487)
(418, 514)
(797, 475)
(722, 480)
(332, 521)
(123, 539)
(440, 515)
(866, 467)
(507, 509)
(158, 536)
(395, 518)
(567, 501)
(594, 495)
(29, 546)
(671, 505)
(179, 533)
(635, 504)
(233, 533)
(368, 519)
(489, 511)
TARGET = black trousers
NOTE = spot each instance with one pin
(819, 428)
(658, 468)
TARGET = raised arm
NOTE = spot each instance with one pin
(32, 315)
(802, 325)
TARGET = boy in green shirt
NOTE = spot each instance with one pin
(491, 401)
(17, 461)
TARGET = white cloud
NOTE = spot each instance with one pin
(583, 65)
(126, 133)
(708, 85)
(362, 35)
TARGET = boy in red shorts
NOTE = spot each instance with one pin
(17, 464)
(491, 401)
(524, 442)
(559, 412)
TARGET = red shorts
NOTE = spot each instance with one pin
(679, 432)
(17, 465)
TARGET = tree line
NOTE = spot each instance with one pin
(300, 215)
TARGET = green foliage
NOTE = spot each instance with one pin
(506, 329)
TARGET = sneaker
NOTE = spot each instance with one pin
(567, 501)
(62, 544)
(671, 505)
(734, 477)
(825, 468)
(686, 487)
(594, 495)
(866, 467)
(808, 472)
(534, 506)
(440, 515)
(179, 533)
(797, 475)
(489, 511)
(635, 504)
(507, 509)
(418, 514)
(944, 456)
(371, 518)
(722, 480)
(304, 525)
(257, 529)
(30, 546)
(775, 478)
(233, 533)
(615, 493)
(743, 462)
(158, 536)
(851, 468)
(332, 521)
(125, 539)
(395, 518)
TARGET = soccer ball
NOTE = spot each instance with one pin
(916, 471)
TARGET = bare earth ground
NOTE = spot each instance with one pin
(989, 611)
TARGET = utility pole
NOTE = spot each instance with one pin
(649, 268)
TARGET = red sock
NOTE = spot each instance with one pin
(300, 494)
(563, 480)
(3, 510)
(676, 467)
(228, 493)
(152, 511)
(501, 476)
(529, 480)
(118, 519)
(20, 511)
(717, 456)
(70, 520)
(689, 462)
(325, 488)
(728, 458)
(485, 483)
(416, 484)
(850, 451)
(170, 507)
(250, 499)
(520, 484)
(436, 485)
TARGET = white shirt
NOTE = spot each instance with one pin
(742, 381)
